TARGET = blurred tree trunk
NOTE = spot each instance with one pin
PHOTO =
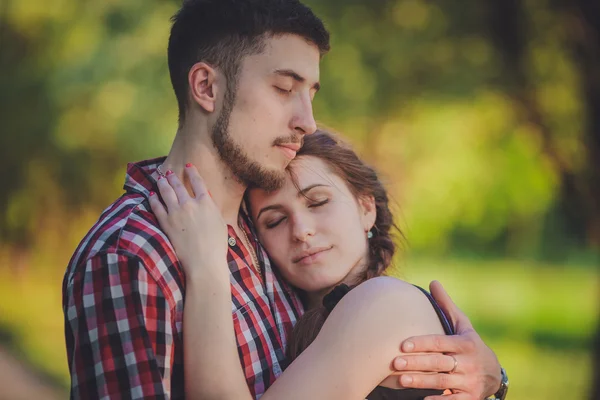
(595, 393)
(583, 23)
(509, 33)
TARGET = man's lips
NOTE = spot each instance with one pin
(308, 253)
(290, 149)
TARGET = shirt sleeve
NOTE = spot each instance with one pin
(118, 330)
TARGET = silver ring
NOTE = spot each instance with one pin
(453, 370)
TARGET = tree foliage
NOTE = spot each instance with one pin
(483, 116)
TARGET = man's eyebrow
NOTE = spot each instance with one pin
(297, 77)
(302, 192)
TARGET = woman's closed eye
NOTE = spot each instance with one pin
(317, 204)
(274, 222)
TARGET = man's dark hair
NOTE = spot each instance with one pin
(223, 32)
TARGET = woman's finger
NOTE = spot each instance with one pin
(196, 181)
(167, 193)
(180, 191)
(158, 209)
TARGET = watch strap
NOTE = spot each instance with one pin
(501, 393)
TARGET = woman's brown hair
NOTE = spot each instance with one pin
(362, 180)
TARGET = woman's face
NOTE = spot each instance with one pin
(317, 234)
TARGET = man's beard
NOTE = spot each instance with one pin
(247, 172)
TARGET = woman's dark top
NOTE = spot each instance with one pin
(381, 392)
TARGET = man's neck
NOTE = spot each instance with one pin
(197, 148)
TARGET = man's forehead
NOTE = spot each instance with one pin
(288, 53)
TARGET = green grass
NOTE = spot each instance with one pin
(538, 319)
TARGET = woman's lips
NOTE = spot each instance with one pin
(311, 255)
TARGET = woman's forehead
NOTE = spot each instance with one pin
(307, 170)
(303, 172)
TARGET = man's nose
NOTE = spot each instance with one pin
(304, 120)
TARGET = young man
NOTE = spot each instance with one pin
(244, 74)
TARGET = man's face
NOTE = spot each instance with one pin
(259, 130)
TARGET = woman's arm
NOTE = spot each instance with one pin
(211, 360)
(353, 352)
(199, 235)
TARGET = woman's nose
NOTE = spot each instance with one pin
(302, 231)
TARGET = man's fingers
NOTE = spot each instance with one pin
(196, 181)
(432, 344)
(457, 317)
(425, 363)
(456, 396)
(430, 381)
(444, 301)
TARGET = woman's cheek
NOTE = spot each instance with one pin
(275, 246)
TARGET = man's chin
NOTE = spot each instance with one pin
(268, 179)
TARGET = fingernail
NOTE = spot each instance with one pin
(400, 363)
(406, 380)
(169, 172)
(160, 177)
(152, 193)
(209, 194)
(188, 165)
(408, 346)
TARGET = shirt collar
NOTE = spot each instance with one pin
(140, 177)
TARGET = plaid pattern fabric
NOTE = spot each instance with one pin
(123, 296)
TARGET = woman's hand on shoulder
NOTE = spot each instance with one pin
(193, 224)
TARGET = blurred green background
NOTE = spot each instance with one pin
(482, 116)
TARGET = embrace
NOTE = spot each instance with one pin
(251, 261)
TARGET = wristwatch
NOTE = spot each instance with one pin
(501, 393)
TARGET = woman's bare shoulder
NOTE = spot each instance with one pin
(363, 335)
(393, 303)
(385, 288)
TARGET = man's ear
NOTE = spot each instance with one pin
(368, 211)
(202, 80)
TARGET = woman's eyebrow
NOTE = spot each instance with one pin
(267, 208)
(307, 189)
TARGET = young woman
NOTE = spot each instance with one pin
(329, 227)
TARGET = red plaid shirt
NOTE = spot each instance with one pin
(123, 297)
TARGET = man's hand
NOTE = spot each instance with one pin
(463, 362)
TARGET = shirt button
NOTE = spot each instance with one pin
(231, 241)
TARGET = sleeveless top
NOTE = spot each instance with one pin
(381, 392)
